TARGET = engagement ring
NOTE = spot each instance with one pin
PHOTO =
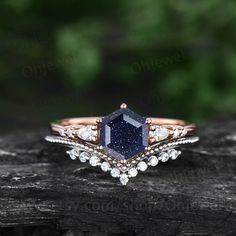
(122, 143)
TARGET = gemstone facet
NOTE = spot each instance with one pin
(124, 134)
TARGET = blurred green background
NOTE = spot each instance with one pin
(83, 58)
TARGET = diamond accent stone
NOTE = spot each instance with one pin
(73, 154)
(160, 133)
(164, 157)
(142, 166)
(132, 172)
(173, 154)
(84, 156)
(153, 161)
(124, 134)
(166, 148)
(176, 133)
(62, 132)
(124, 179)
(94, 160)
(105, 166)
(87, 133)
(184, 132)
(69, 132)
(115, 172)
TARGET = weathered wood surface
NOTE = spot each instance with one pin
(194, 195)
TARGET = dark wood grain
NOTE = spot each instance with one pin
(194, 195)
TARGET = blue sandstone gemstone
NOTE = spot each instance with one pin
(124, 134)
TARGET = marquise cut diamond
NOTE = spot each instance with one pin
(159, 133)
(69, 132)
(87, 133)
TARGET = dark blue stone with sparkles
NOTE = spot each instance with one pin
(124, 134)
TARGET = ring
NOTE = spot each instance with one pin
(122, 143)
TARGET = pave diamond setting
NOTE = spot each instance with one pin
(124, 134)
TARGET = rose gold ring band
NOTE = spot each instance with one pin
(176, 128)
(123, 142)
(93, 120)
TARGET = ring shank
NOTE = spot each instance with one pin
(93, 120)
(169, 123)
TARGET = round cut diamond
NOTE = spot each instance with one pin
(124, 179)
(132, 172)
(153, 161)
(105, 166)
(73, 154)
(164, 157)
(94, 160)
(173, 154)
(142, 166)
(115, 172)
(84, 156)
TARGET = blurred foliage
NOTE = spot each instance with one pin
(181, 53)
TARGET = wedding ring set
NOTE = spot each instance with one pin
(122, 143)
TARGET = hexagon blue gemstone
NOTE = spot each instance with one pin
(124, 134)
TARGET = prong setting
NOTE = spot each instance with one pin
(123, 106)
(99, 121)
(149, 121)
